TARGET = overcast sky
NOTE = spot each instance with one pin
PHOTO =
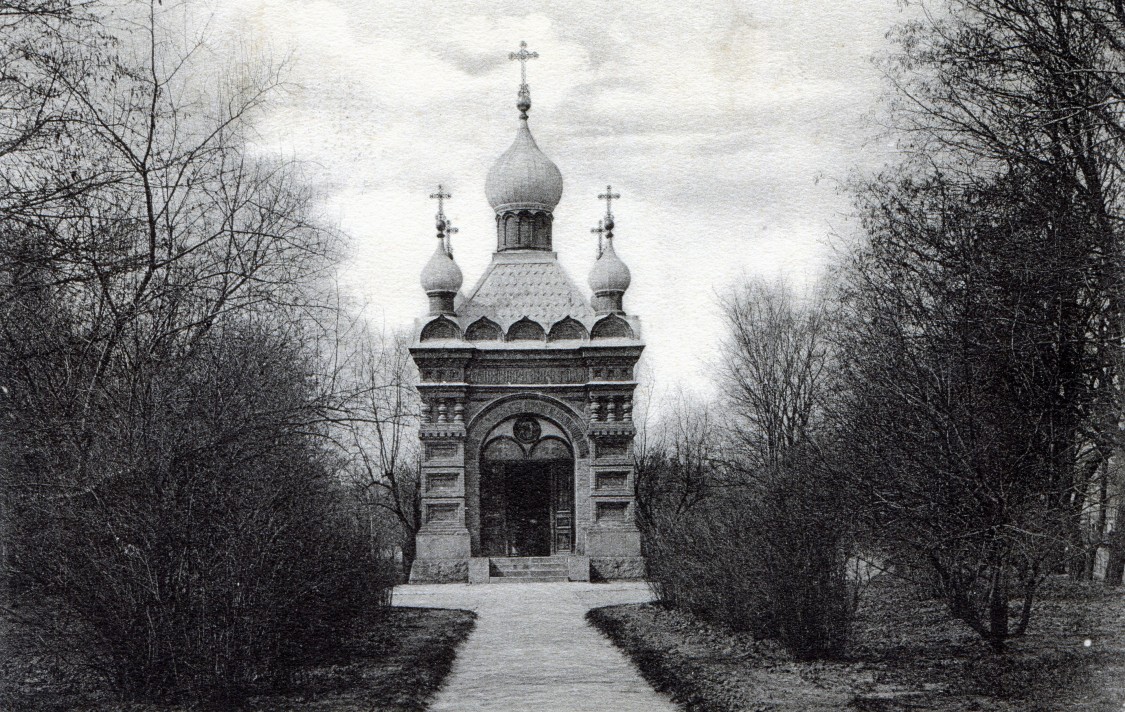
(726, 127)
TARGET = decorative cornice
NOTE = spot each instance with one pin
(518, 207)
(611, 430)
(438, 432)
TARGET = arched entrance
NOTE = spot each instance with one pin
(526, 489)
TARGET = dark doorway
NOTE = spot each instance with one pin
(527, 507)
(528, 499)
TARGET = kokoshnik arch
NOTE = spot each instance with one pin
(527, 394)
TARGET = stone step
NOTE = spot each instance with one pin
(525, 573)
(521, 569)
(529, 567)
(526, 579)
(528, 560)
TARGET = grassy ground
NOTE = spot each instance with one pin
(907, 654)
(394, 664)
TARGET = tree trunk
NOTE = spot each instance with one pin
(1115, 542)
(998, 612)
(1115, 569)
(1096, 532)
(1030, 582)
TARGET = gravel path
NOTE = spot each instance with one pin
(533, 650)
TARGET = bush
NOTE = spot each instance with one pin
(770, 559)
(209, 549)
(744, 523)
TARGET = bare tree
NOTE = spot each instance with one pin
(164, 296)
(33, 103)
(774, 370)
(744, 523)
(680, 463)
(951, 412)
(988, 91)
(379, 433)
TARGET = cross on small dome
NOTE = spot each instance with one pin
(600, 232)
(441, 277)
(609, 196)
(610, 276)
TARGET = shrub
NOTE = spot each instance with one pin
(769, 558)
(210, 549)
(744, 522)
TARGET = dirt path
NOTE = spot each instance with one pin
(532, 649)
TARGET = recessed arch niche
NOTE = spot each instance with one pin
(440, 328)
(551, 448)
(483, 329)
(612, 327)
(526, 330)
(568, 329)
(504, 449)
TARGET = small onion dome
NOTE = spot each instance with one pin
(441, 273)
(523, 177)
(609, 274)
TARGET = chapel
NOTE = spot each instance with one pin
(527, 394)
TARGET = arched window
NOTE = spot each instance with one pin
(550, 448)
(612, 327)
(511, 230)
(440, 328)
(525, 330)
(525, 229)
(542, 231)
(483, 329)
(503, 449)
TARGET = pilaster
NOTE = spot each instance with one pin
(442, 544)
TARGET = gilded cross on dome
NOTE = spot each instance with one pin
(450, 231)
(441, 196)
(599, 231)
(523, 55)
(609, 196)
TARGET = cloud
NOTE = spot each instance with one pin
(715, 119)
(474, 64)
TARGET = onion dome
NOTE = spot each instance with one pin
(441, 273)
(609, 273)
(441, 277)
(523, 177)
(610, 277)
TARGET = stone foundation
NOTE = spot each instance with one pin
(440, 571)
(613, 543)
(442, 545)
(617, 568)
(479, 571)
(578, 568)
